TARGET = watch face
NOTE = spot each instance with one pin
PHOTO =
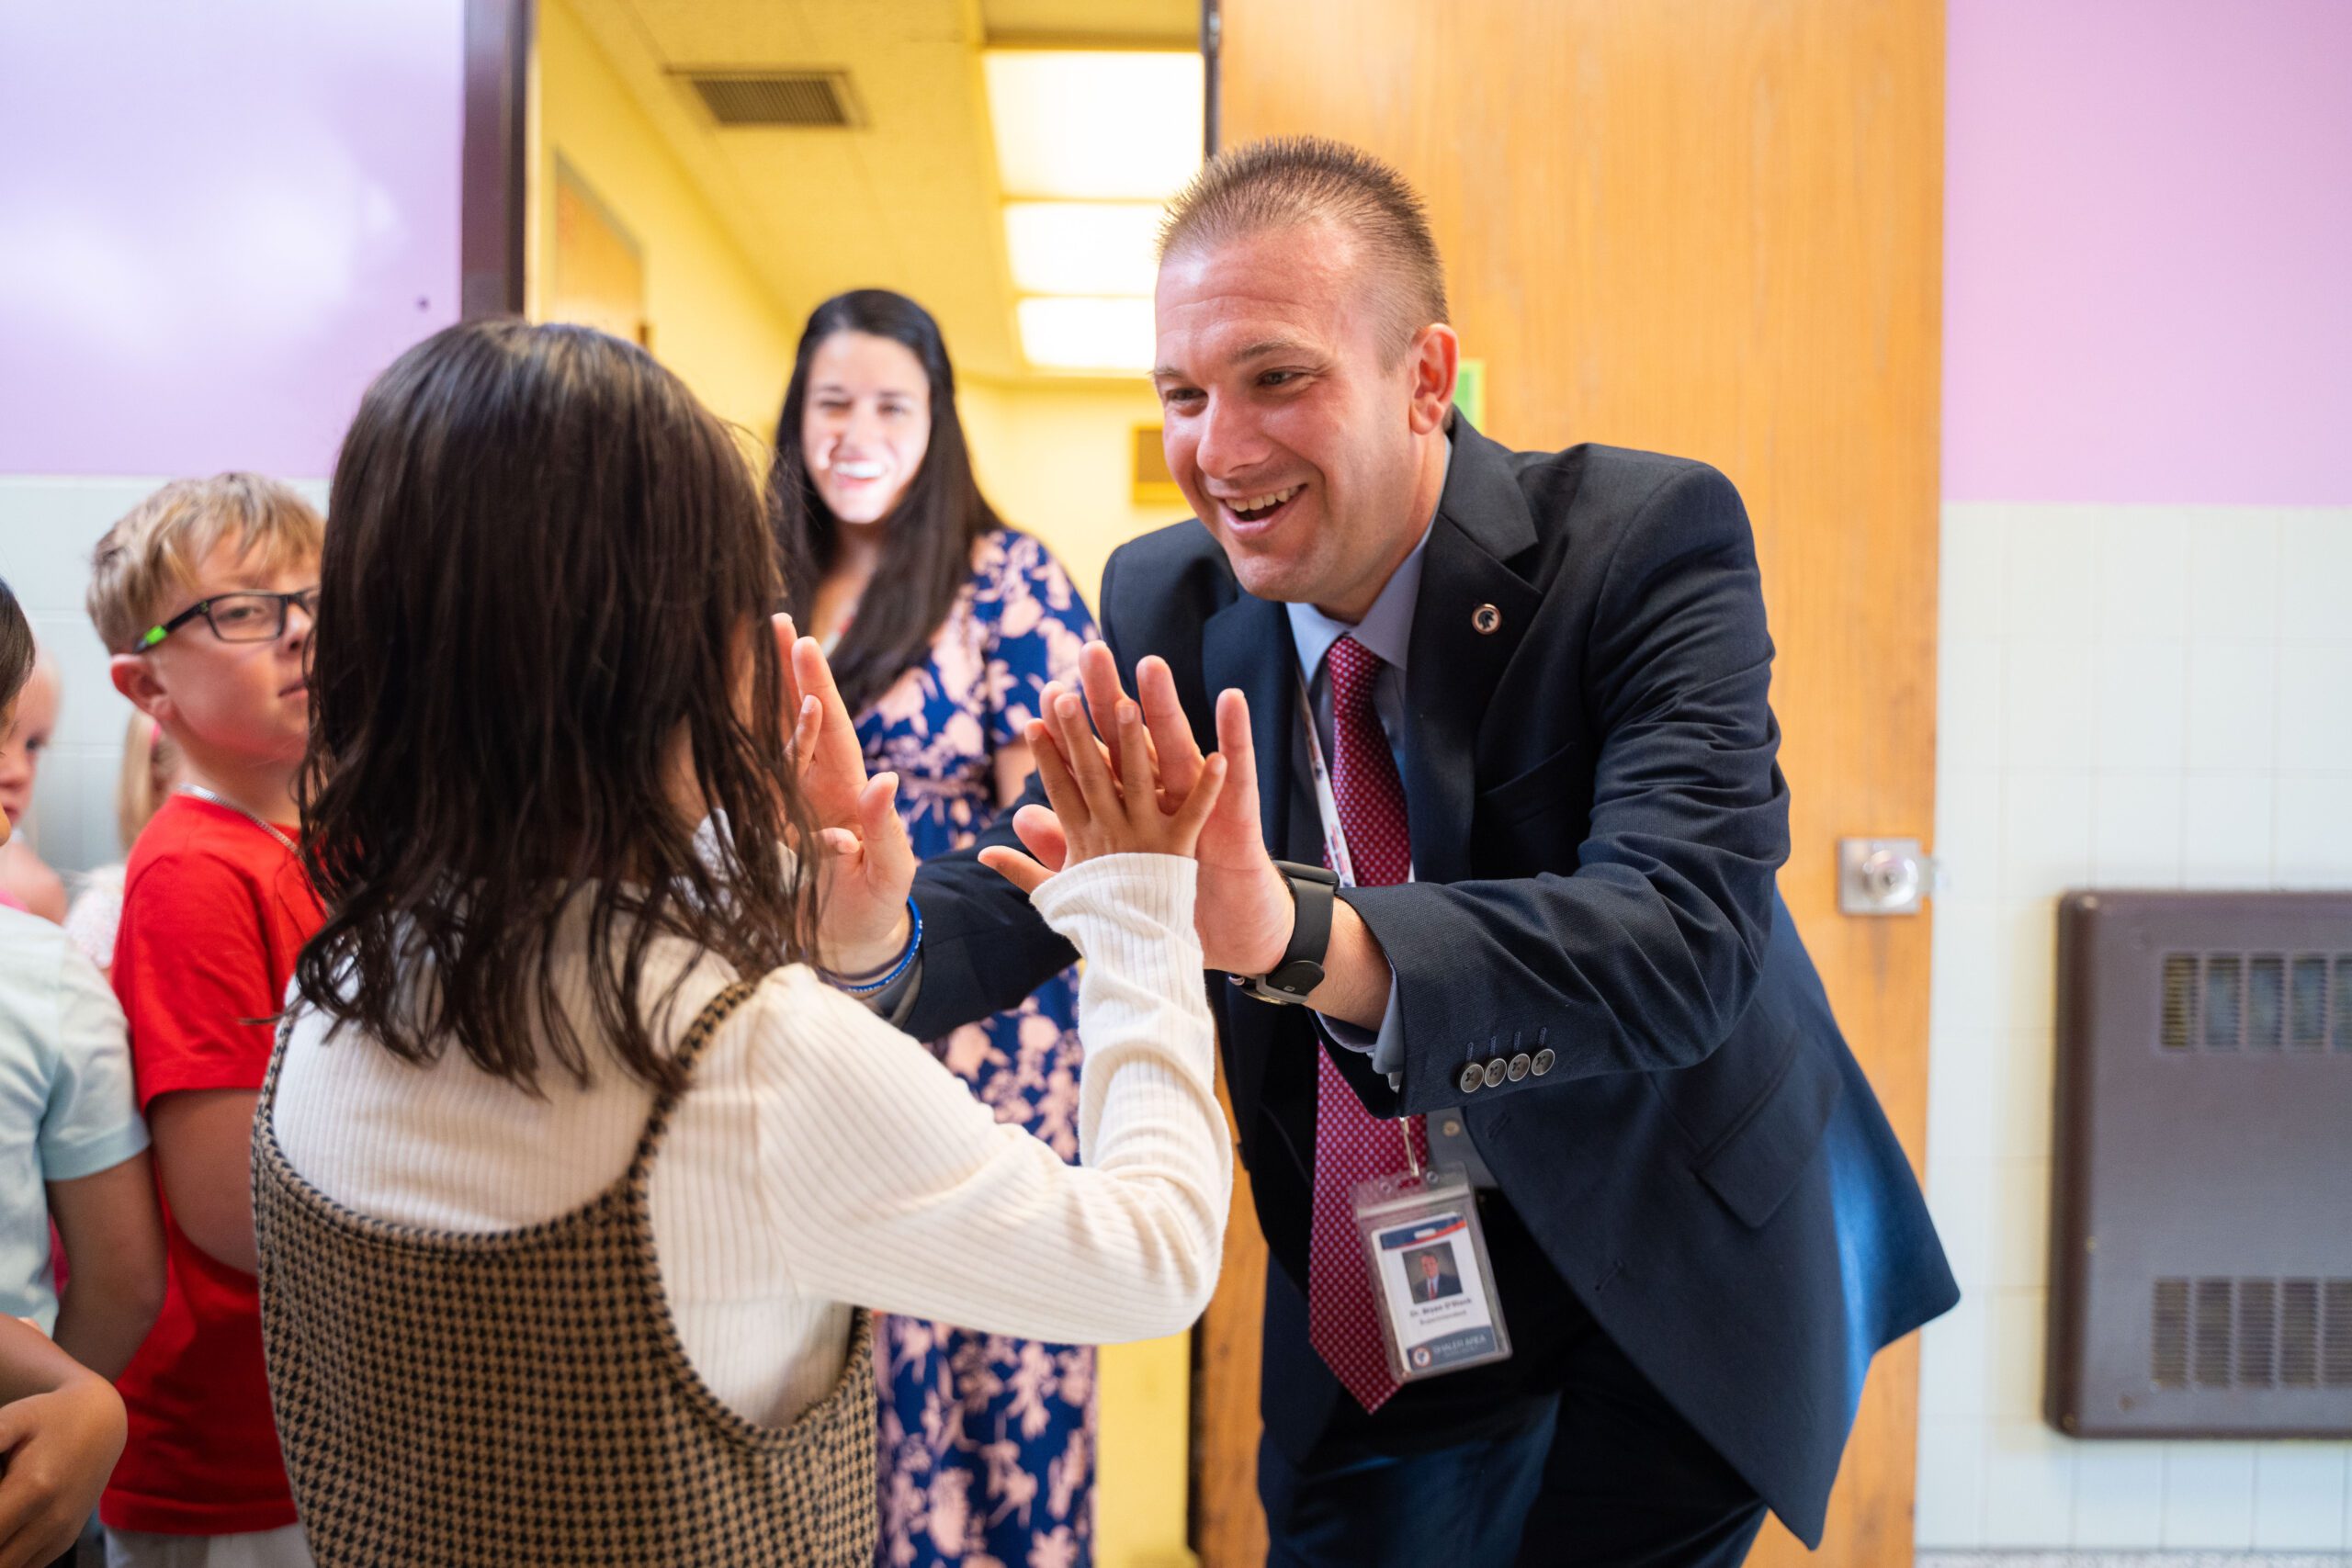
(1298, 976)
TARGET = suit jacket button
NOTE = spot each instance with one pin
(1496, 1071)
(1474, 1077)
(1543, 1060)
(1520, 1065)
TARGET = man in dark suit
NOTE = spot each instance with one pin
(1536, 684)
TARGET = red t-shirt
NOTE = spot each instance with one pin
(213, 912)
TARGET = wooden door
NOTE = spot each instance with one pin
(1712, 227)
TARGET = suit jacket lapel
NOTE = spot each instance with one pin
(1459, 651)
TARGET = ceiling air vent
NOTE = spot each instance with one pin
(770, 99)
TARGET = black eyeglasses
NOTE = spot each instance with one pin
(240, 617)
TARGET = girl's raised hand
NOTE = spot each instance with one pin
(863, 854)
(1100, 813)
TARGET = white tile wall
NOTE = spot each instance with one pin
(46, 528)
(2117, 1486)
(2128, 696)
(2299, 1497)
(2208, 1494)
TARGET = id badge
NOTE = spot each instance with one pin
(1438, 1312)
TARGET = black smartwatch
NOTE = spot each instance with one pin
(1312, 889)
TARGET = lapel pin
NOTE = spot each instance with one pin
(1487, 620)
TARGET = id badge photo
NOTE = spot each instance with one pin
(1438, 1312)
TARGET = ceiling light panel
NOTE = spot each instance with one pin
(1073, 247)
(1086, 335)
(1088, 125)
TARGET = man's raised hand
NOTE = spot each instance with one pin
(1096, 812)
(1244, 910)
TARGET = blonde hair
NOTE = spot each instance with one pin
(1287, 182)
(153, 551)
(150, 766)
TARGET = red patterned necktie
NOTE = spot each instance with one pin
(1352, 1144)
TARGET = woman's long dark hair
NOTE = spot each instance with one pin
(547, 564)
(928, 554)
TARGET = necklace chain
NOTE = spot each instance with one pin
(203, 793)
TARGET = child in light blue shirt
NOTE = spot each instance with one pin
(72, 1149)
(71, 1138)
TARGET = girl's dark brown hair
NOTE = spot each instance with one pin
(17, 653)
(929, 554)
(547, 564)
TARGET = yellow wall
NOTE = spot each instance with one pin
(713, 322)
(1057, 462)
(1143, 1454)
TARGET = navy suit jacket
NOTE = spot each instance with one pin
(1596, 820)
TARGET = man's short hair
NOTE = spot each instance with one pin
(152, 552)
(1288, 181)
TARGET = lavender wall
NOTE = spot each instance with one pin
(2148, 234)
(217, 222)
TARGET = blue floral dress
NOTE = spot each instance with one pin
(987, 1442)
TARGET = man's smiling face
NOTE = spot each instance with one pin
(1287, 425)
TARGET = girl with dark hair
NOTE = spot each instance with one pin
(945, 627)
(577, 1168)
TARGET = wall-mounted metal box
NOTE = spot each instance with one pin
(2201, 1222)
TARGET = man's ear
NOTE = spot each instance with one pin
(1435, 357)
(135, 676)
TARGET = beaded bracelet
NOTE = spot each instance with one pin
(890, 975)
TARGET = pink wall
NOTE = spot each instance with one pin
(2148, 250)
(217, 222)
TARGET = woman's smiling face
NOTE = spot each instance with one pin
(865, 424)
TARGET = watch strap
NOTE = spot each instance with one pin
(1313, 890)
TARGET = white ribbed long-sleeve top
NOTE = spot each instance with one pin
(821, 1159)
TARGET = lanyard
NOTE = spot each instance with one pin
(1327, 805)
(1335, 853)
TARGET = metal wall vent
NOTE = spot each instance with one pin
(2201, 1241)
(807, 99)
(2251, 1333)
(2256, 1001)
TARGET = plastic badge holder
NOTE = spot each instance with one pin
(1422, 1241)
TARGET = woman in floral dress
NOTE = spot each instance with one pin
(942, 626)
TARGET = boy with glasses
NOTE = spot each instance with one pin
(203, 594)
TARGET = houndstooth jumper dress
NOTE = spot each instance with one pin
(522, 1397)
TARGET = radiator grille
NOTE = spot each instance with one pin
(2256, 1002)
(2201, 1282)
(2251, 1333)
